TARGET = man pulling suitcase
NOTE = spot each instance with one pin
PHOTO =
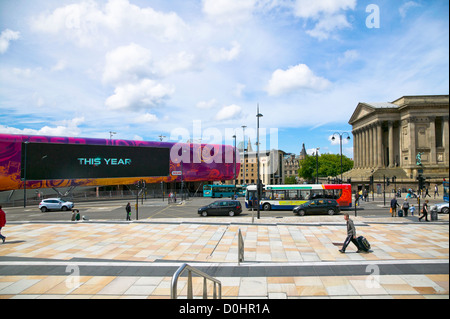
(351, 235)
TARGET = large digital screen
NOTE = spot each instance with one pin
(75, 161)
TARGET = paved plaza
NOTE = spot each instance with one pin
(283, 258)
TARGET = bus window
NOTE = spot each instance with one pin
(267, 195)
(305, 194)
(279, 194)
(292, 194)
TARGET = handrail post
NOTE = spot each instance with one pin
(190, 292)
(190, 289)
(241, 248)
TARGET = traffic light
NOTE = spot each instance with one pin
(421, 180)
(371, 180)
(388, 181)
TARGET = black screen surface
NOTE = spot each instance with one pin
(75, 161)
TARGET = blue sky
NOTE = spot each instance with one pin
(199, 68)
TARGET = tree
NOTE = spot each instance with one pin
(329, 165)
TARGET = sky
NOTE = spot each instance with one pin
(198, 69)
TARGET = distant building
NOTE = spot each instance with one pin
(403, 138)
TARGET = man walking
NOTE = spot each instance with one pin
(351, 235)
(2, 223)
(394, 205)
(128, 210)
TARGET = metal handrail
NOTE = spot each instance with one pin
(190, 295)
(240, 248)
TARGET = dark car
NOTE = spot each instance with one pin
(329, 206)
(222, 207)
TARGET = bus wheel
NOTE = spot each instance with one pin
(267, 207)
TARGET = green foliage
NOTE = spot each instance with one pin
(329, 165)
(290, 180)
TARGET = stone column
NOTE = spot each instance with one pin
(360, 149)
(366, 148)
(380, 144)
(391, 144)
(355, 157)
(374, 145)
(412, 141)
(370, 146)
(445, 137)
(433, 153)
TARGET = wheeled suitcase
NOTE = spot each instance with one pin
(363, 243)
(400, 213)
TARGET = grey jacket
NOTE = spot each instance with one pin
(351, 230)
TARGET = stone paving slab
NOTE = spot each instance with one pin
(415, 257)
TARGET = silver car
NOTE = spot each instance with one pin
(55, 204)
(442, 208)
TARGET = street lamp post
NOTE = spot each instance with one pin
(317, 165)
(341, 135)
(258, 115)
(234, 164)
(243, 150)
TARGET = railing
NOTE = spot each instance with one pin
(240, 248)
(190, 294)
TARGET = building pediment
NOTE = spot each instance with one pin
(362, 110)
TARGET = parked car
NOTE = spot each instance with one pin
(55, 204)
(221, 207)
(442, 208)
(329, 206)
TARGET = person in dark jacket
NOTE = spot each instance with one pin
(128, 210)
(351, 235)
(394, 205)
(424, 211)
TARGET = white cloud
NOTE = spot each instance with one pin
(315, 8)
(295, 78)
(146, 93)
(180, 62)
(6, 37)
(403, 10)
(223, 54)
(146, 118)
(127, 63)
(229, 11)
(326, 13)
(206, 104)
(326, 26)
(348, 57)
(229, 112)
(86, 22)
(66, 128)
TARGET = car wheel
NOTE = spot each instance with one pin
(301, 212)
(205, 213)
(64, 209)
(444, 210)
(331, 212)
(267, 207)
(44, 209)
(231, 213)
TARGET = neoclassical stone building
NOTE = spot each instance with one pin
(388, 137)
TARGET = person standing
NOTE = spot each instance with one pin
(436, 191)
(394, 205)
(405, 207)
(128, 210)
(351, 235)
(424, 211)
(2, 223)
